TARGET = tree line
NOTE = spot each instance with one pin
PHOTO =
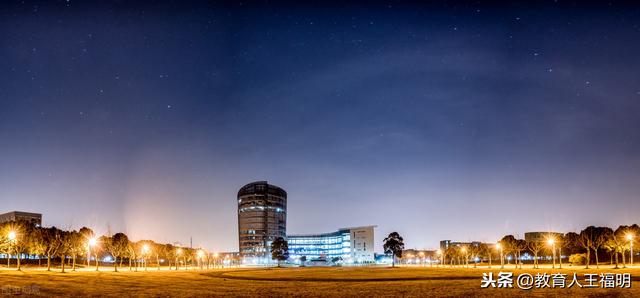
(74, 248)
(585, 248)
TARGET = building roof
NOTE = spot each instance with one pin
(330, 234)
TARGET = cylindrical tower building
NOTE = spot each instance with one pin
(262, 217)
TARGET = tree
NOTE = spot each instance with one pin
(52, 241)
(617, 244)
(20, 244)
(159, 251)
(279, 250)
(474, 252)
(64, 248)
(519, 245)
(451, 252)
(170, 253)
(604, 235)
(36, 244)
(77, 246)
(572, 243)
(593, 238)
(508, 244)
(535, 247)
(116, 246)
(6, 243)
(132, 254)
(87, 234)
(394, 245)
(485, 250)
(144, 248)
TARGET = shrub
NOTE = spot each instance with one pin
(578, 259)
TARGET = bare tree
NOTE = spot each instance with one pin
(535, 247)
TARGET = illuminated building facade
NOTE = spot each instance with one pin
(262, 217)
(352, 245)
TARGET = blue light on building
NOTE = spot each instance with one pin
(349, 245)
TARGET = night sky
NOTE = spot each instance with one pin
(440, 121)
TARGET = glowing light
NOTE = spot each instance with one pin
(145, 248)
(629, 237)
(200, 254)
(93, 241)
(439, 252)
(464, 249)
(215, 255)
(551, 241)
(498, 246)
(179, 251)
(12, 235)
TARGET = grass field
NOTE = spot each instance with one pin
(299, 282)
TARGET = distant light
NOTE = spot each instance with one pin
(629, 237)
(551, 241)
(93, 241)
(12, 235)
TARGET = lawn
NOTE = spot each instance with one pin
(306, 282)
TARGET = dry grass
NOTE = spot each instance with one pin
(307, 282)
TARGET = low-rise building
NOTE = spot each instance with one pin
(351, 245)
(541, 236)
(446, 244)
(33, 218)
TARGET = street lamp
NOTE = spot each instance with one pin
(552, 242)
(12, 238)
(145, 250)
(200, 255)
(630, 238)
(93, 241)
(466, 260)
(178, 253)
(499, 247)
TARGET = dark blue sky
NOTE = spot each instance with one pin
(441, 121)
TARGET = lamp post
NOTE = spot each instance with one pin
(200, 255)
(92, 243)
(464, 253)
(178, 253)
(12, 239)
(630, 238)
(552, 242)
(560, 256)
(145, 251)
(499, 247)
